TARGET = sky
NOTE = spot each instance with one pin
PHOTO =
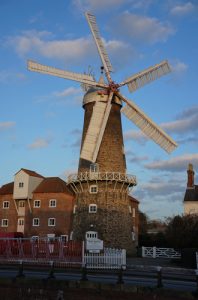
(41, 117)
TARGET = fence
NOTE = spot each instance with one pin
(57, 251)
(109, 259)
(40, 250)
(155, 252)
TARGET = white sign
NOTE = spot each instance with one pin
(94, 245)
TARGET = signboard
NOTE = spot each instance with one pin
(94, 245)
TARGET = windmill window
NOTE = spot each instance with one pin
(93, 189)
(133, 212)
(51, 222)
(37, 203)
(6, 204)
(64, 238)
(94, 167)
(21, 184)
(35, 222)
(4, 222)
(52, 203)
(74, 209)
(92, 208)
(71, 235)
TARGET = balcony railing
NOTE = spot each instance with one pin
(100, 176)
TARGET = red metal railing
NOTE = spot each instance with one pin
(40, 250)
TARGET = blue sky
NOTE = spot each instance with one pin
(41, 117)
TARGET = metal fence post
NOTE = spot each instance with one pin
(84, 273)
(51, 272)
(159, 277)
(120, 276)
(20, 272)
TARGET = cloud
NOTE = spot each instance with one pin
(185, 123)
(40, 143)
(68, 92)
(40, 42)
(95, 5)
(143, 29)
(6, 125)
(132, 157)
(181, 10)
(174, 164)
(136, 135)
(6, 76)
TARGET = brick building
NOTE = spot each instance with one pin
(45, 206)
(36, 206)
(191, 194)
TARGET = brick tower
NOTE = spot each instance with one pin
(102, 188)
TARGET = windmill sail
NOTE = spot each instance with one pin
(101, 49)
(94, 135)
(152, 130)
(86, 79)
(142, 78)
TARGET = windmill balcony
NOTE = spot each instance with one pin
(102, 176)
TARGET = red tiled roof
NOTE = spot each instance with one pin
(31, 173)
(7, 188)
(52, 185)
(133, 199)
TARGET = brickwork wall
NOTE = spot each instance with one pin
(63, 213)
(113, 220)
(9, 214)
(111, 157)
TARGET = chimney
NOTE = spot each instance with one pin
(190, 172)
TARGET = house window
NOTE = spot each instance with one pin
(20, 222)
(93, 189)
(4, 222)
(94, 167)
(130, 209)
(51, 222)
(21, 204)
(6, 204)
(52, 203)
(21, 184)
(92, 208)
(35, 222)
(37, 203)
(133, 236)
(74, 209)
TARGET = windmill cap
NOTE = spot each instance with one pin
(95, 94)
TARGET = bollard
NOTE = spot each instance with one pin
(51, 272)
(159, 277)
(196, 273)
(84, 273)
(20, 272)
(120, 276)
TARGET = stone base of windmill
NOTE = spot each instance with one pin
(105, 212)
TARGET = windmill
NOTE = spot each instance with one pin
(101, 179)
